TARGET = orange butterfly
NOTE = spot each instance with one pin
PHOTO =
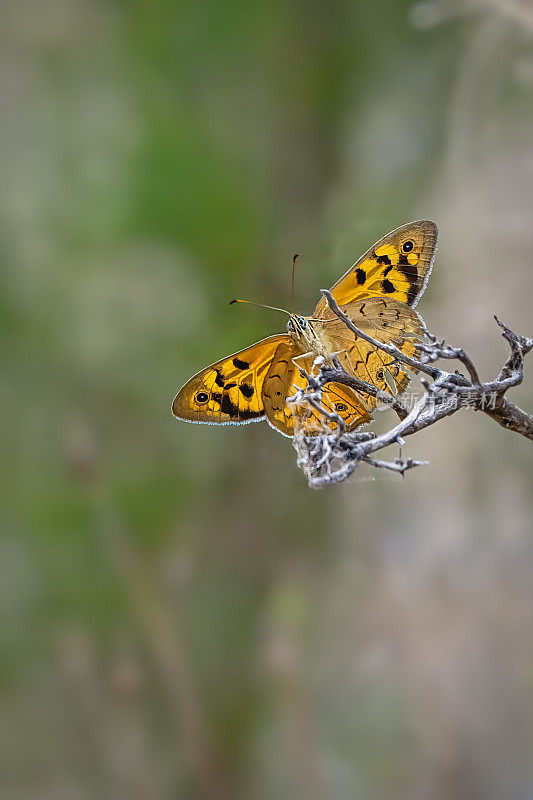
(378, 293)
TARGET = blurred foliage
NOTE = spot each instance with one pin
(180, 616)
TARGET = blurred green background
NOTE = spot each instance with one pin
(180, 615)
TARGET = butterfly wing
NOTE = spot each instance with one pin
(229, 391)
(398, 266)
(337, 399)
(283, 379)
(386, 320)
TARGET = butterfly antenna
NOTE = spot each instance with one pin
(261, 305)
(292, 276)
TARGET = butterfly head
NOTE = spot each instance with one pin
(297, 324)
(301, 328)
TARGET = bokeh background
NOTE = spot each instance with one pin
(180, 615)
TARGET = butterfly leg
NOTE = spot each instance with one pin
(304, 355)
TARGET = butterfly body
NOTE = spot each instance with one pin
(378, 293)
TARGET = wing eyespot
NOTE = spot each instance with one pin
(201, 397)
(408, 246)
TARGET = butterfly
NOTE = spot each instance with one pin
(378, 293)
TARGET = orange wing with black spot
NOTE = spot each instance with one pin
(229, 391)
(398, 266)
(254, 383)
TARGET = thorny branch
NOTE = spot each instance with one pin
(333, 455)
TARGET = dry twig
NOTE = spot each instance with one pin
(332, 456)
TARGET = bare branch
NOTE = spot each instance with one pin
(333, 455)
(436, 350)
(398, 465)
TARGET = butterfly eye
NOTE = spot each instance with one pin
(201, 397)
(408, 246)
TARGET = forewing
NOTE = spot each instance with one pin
(229, 391)
(398, 266)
